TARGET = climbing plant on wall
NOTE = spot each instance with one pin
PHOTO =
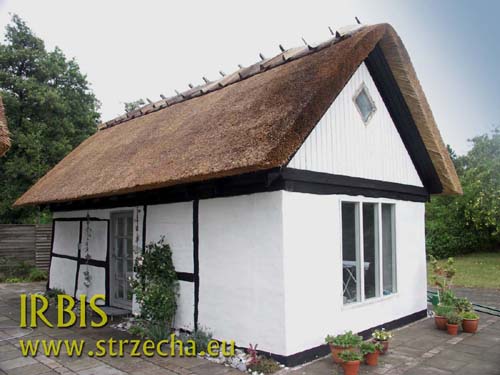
(155, 285)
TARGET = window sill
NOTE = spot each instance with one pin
(367, 302)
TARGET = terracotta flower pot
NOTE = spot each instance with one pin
(371, 359)
(452, 329)
(351, 367)
(440, 322)
(470, 325)
(335, 352)
(385, 345)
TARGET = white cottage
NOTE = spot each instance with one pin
(292, 193)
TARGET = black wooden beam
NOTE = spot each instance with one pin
(264, 181)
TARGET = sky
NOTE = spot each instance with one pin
(141, 49)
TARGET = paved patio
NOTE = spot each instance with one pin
(416, 349)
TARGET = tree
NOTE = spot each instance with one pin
(470, 222)
(49, 108)
(132, 106)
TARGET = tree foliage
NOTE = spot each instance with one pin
(49, 108)
(132, 106)
(471, 222)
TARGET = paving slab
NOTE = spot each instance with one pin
(418, 348)
(34, 369)
(10, 364)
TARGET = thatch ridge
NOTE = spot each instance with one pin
(256, 121)
(4, 131)
(237, 76)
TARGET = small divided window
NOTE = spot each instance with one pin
(364, 103)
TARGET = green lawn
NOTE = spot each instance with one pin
(481, 270)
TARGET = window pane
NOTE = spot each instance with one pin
(370, 249)
(388, 249)
(364, 104)
(350, 251)
(119, 247)
(120, 226)
(130, 226)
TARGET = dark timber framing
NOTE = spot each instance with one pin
(196, 264)
(288, 179)
(78, 259)
(144, 222)
(400, 113)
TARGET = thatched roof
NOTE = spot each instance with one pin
(251, 120)
(4, 131)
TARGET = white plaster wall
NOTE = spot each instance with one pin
(313, 270)
(97, 282)
(241, 270)
(175, 222)
(271, 267)
(98, 241)
(66, 238)
(184, 316)
(63, 275)
(342, 144)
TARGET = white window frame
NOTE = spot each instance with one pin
(360, 274)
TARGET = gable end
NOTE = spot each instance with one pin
(401, 116)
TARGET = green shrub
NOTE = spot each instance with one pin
(156, 331)
(453, 318)
(201, 338)
(344, 340)
(469, 315)
(443, 310)
(469, 222)
(137, 330)
(37, 275)
(265, 365)
(442, 277)
(15, 271)
(18, 272)
(349, 355)
(368, 347)
(14, 280)
(22, 270)
(447, 298)
(463, 305)
(53, 293)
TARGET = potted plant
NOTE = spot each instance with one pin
(470, 321)
(371, 351)
(351, 361)
(442, 275)
(341, 343)
(463, 305)
(440, 313)
(382, 337)
(454, 320)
